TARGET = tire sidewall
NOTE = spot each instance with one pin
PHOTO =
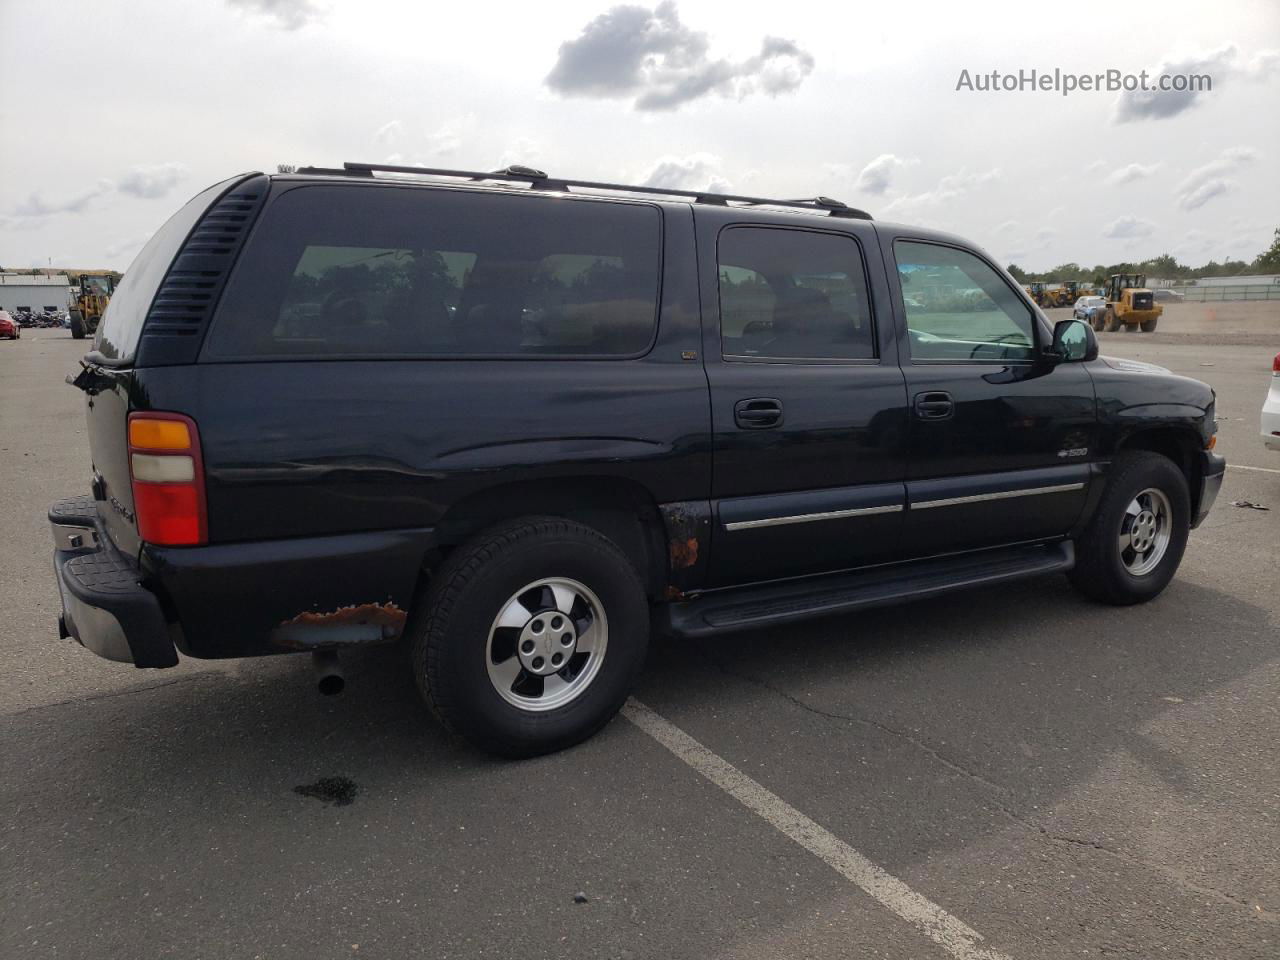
(461, 644)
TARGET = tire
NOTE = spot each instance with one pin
(77, 325)
(458, 643)
(1110, 322)
(1102, 571)
(1149, 326)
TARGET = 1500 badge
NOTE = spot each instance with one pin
(1074, 452)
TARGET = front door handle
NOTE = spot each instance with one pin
(934, 405)
(758, 413)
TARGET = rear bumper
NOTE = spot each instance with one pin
(105, 607)
(231, 600)
(1212, 470)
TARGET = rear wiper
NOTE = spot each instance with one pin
(91, 378)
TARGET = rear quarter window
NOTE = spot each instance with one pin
(411, 272)
(121, 324)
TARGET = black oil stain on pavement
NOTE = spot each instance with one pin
(340, 791)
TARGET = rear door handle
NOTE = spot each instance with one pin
(934, 405)
(758, 413)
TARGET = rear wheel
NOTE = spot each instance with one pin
(531, 636)
(1149, 326)
(1132, 547)
(77, 325)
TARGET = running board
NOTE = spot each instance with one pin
(744, 608)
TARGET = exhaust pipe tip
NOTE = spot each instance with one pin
(329, 677)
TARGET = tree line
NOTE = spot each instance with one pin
(1164, 266)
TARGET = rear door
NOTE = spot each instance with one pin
(1000, 438)
(808, 404)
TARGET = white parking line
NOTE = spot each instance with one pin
(939, 926)
(1241, 466)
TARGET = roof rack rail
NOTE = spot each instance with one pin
(539, 180)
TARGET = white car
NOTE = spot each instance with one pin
(1084, 304)
(1271, 410)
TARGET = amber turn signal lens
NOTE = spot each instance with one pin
(159, 434)
(1213, 442)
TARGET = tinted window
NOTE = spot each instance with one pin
(121, 325)
(792, 294)
(959, 308)
(401, 271)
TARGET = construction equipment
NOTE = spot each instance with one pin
(1129, 304)
(91, 302)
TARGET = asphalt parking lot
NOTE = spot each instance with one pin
(1057, 778)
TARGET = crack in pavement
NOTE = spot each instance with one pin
(1176, 876)
(113, 694)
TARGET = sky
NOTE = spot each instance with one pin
(127, 109)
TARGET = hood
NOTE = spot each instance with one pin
(1133, 366)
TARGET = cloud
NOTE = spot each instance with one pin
(521, 151)
(287, 14)
(950, 187)
(631, 51)
(451, 135)
(389, 132)
(150, 182)
(36, 207)
(1131, 172)
(130, 246)
(1220, 64)
(877, 176)
(1214, 178)
(697, 171)
(1128, 228)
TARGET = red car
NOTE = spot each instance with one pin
(9, 328)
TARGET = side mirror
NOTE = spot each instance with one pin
(1074, 341)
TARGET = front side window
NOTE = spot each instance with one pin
(394, 271)
(959, 308)
(793, 295)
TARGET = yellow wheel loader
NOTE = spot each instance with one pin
(90, 303)
(1129, 304)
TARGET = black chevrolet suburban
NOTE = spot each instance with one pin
(518, 422)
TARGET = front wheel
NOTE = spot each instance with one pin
(77, 325)
(1132, 547)
(531, 636)
(1110, 322)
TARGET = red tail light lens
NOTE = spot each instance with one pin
(168, 479)
(1275, 364)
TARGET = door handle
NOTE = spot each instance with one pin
(934, 405)
(758, 413)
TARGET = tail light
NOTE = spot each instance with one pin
(1275, 364)
(168, 479)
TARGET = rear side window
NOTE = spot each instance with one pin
(396, 271)
(121, 324)
(793, 295)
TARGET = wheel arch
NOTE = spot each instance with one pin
(622, 510)
(1179, 444)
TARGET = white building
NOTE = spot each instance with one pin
(1238, 281)
(37, 293)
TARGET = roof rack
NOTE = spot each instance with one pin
(538, 180)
